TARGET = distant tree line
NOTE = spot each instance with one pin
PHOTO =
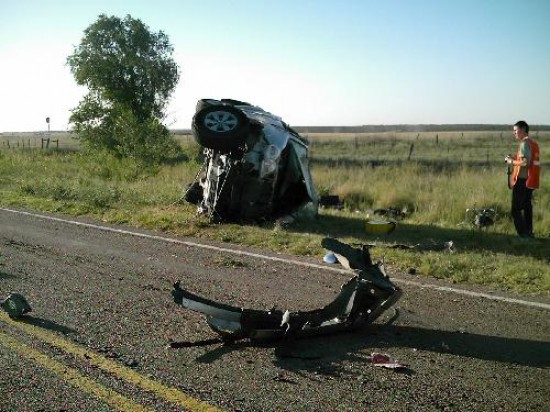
(418, 128)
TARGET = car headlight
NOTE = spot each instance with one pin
(269, 164)
(272, 152)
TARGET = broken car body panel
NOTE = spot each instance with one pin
(255, 167)
(361, 301)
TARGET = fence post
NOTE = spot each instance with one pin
(411, 148)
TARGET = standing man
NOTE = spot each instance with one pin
(524, 179)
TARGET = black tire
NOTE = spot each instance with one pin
(221, 128)
(234, 102)
(203, 104)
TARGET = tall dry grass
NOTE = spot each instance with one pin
(437, 185)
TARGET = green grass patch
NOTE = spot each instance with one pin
(436, 186)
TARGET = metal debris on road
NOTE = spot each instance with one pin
(385, 361)
(360, 302)
(16, 305)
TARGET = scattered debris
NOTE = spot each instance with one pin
(330, 258)
(385, 361)
(392, 213)
(480, 217)
(361, 301)
(15, 305)
(331, 201)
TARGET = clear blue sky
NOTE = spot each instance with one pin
(313, 62)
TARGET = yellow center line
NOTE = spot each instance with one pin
(72, 376)
(162, 391)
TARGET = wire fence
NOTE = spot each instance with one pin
(38, 140)
(433, 149)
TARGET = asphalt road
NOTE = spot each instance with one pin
(105, 335)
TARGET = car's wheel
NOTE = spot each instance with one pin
(220, 127)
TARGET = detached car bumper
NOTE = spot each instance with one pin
(361, 301)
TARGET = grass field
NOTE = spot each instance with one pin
(436, 177)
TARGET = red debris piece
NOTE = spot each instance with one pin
(385, 361)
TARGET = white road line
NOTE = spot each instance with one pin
(463, 292)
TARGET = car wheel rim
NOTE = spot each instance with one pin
(220, 121)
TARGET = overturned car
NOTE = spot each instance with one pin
(255, 166)
(361, 301)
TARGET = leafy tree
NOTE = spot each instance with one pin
(130, 75)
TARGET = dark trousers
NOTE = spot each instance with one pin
(522, 208)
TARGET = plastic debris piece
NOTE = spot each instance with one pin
(385, 361)
(380, 227)
(330, 258)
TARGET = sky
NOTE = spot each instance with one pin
(312, 62)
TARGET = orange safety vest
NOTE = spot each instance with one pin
(533, 167)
